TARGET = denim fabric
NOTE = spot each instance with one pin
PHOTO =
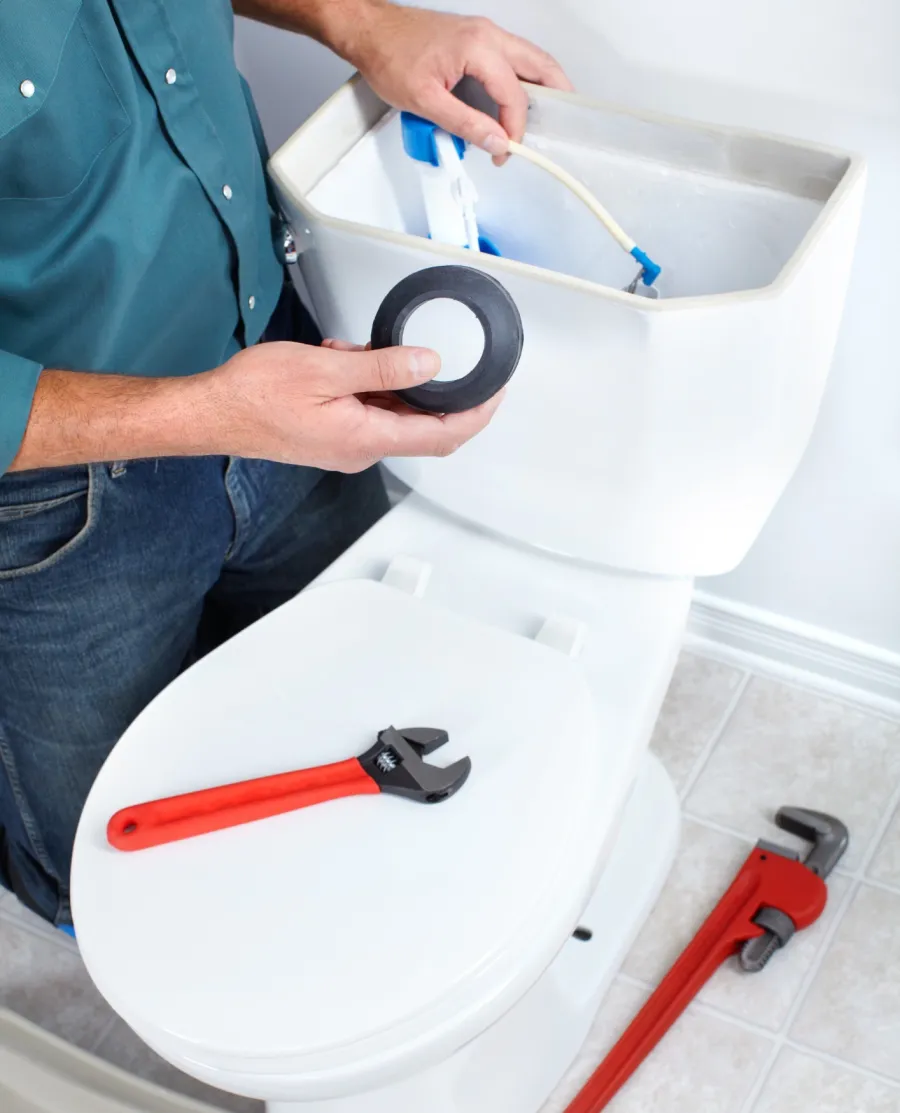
(113, 578)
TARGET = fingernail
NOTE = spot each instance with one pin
(424, 364)
(496, 145)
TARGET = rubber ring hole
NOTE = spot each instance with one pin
(583, 934)
(452, 330)
(129, 829)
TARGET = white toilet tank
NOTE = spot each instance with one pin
(654, 436)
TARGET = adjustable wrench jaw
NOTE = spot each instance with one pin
(395, 764)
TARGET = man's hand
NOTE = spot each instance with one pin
(414, 59)
(329, 407)
(332, 407)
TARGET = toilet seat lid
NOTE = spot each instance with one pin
(350, 938)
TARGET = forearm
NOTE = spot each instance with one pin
(338, 24)
(79, 418)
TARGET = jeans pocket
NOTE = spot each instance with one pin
(44, 515)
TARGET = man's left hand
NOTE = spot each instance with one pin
(413, 59)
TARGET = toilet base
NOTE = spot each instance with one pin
(515, 1066)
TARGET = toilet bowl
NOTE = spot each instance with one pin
(529, 596)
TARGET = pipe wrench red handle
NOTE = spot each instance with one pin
(773, 895)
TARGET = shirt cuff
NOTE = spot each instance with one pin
(18, 382)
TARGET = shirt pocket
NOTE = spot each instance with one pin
(58, 110)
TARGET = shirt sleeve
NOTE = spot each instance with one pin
(18, 381)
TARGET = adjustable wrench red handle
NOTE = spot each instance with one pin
(765, 880)
(213, 809)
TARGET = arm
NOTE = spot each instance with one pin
(78, 418)
(325, 407)
(414, 59)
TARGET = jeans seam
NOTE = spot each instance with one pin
(28, 509)
(237, 502)
(25, 813)
(90, 523)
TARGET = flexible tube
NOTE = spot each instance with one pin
(609, 223)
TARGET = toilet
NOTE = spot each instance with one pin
(528, 595)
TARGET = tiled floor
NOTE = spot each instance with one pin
(817, 1032)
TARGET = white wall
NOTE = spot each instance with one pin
(822, 69)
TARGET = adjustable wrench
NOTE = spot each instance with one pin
(394, 765)
(773, 895)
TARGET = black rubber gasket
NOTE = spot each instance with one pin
(497, 314)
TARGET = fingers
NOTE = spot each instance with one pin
(348, 370)
(342, 346)
(501, 84)
(345, 346)
(453, 115)
(498, 60)
(400, 431)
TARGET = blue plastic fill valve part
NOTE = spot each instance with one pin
(651, 270)
(419, 143)
(418, 139)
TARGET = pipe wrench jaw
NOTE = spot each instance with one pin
(829, 838)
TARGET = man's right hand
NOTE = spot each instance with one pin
(331, 407)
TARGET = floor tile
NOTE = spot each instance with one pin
(786, 746)
(698, 698)
(801, 1084)
(122, 1047)
(853, 1007)
(46, 982)
(706, 865)
(885, 865)
(16, 912)
(703, 1065)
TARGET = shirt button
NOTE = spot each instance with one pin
(27, 88)
(171, 77)
(227, 192)
(251, 301)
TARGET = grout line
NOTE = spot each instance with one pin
(879, 832)
(807, 683)
(884, 886)
(630, 979)
(762, 1079)
(104, 1032)
(705, 1009)
(844, 1064)
(720, 828)
(706, 752)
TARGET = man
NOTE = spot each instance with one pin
(151, 502)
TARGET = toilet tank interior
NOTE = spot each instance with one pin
(720, 212)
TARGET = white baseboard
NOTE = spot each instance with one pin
(767, 643)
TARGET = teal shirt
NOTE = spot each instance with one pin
(137, 235)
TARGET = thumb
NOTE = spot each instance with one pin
(386, 369)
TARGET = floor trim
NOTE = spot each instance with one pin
(768, 643)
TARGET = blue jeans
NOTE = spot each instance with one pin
(113, 579)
